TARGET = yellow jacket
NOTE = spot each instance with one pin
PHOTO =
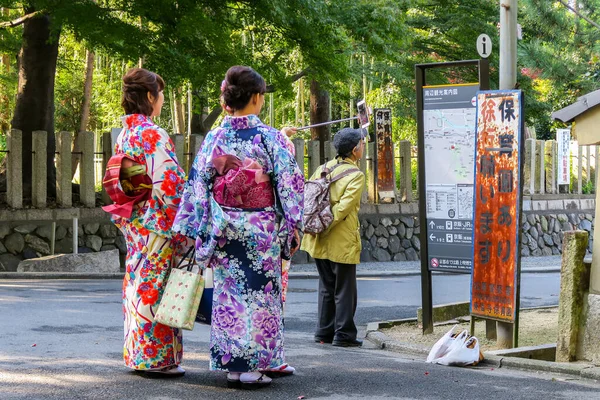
(340, 243)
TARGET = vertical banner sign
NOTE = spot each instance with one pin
(563, 140)
(385, 153)
(497, 205)
(449, 138)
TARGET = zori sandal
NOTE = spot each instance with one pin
(233, 380)
(174, 371)
(254, 380)
(278, 372)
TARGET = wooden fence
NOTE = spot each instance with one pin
(540, 166)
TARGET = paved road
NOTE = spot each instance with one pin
(394, 298)
(61, 339)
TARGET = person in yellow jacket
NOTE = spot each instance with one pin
(337, 250)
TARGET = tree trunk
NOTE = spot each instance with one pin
(85, 110)
(34, 108)
(319, 112)
(4, 100)
(179, 112)
(190, 110)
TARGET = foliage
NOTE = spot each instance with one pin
(193, 43)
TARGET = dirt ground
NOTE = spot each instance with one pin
(536, 327)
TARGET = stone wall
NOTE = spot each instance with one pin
(28, 233)
(388, 232)
(391, 232)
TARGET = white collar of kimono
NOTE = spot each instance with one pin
(244, 122)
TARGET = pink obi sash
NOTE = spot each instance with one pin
(242, 184)
(137, 188)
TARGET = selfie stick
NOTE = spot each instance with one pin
(327, 123)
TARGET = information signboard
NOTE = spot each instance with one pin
(563, 140)
(449, 139)
(385, 155)
(494, 280)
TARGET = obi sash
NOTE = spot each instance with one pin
(242, 184)
(126, 187)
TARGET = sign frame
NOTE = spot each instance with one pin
(494, 165)
(563, 153)
(420, 82)
(384, 189)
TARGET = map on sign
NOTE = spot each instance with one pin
(449, 142)
(465, 202)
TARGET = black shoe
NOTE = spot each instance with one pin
(323, 340)
(347, 342)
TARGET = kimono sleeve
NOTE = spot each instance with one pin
(192, 216)
(289, 188)
(163, 168)
(199, 216)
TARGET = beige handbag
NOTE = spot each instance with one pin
(181, 297)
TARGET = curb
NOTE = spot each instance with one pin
(292, 275)
(379, 339)
(61, 275)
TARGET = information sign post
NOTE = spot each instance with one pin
(385, 188)
(449, 138)
(496, 260)
(563, 140)
(445, 127)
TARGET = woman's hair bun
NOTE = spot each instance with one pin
(240, 84)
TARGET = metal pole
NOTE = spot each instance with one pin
(326, 123)
(75, 235)
(426, 281)
(508, 79)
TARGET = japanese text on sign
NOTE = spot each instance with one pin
(496, 219)
(385, 154)
(563, 140)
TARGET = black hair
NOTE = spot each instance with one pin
(240, 84)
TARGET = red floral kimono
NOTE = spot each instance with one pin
(150, 246)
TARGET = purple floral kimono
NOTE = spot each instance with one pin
(244, 244)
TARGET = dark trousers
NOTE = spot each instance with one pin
(337, 300)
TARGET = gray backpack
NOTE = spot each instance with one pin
(317, 208)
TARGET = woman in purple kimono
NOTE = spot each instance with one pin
(243, 205)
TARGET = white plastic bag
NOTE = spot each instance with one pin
(462, 353)
(441, 347)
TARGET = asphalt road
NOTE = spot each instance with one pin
(62, 339)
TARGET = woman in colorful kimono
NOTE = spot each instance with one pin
(148, 162)
(243, 205)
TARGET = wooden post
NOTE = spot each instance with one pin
(595, 177)
(587, 165)
(193, 148)
(363, 167)
(64, 191)
(406, 193)
(179, 143)
(528, 167)
(330, 151)
(542, 161)
(86, 170)
(299, 147)
(550, 166)
(579, 169)
(574, 282)
(314, 160)
(14, 158)
(371, 182)
(107, 147)
(40, 167)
